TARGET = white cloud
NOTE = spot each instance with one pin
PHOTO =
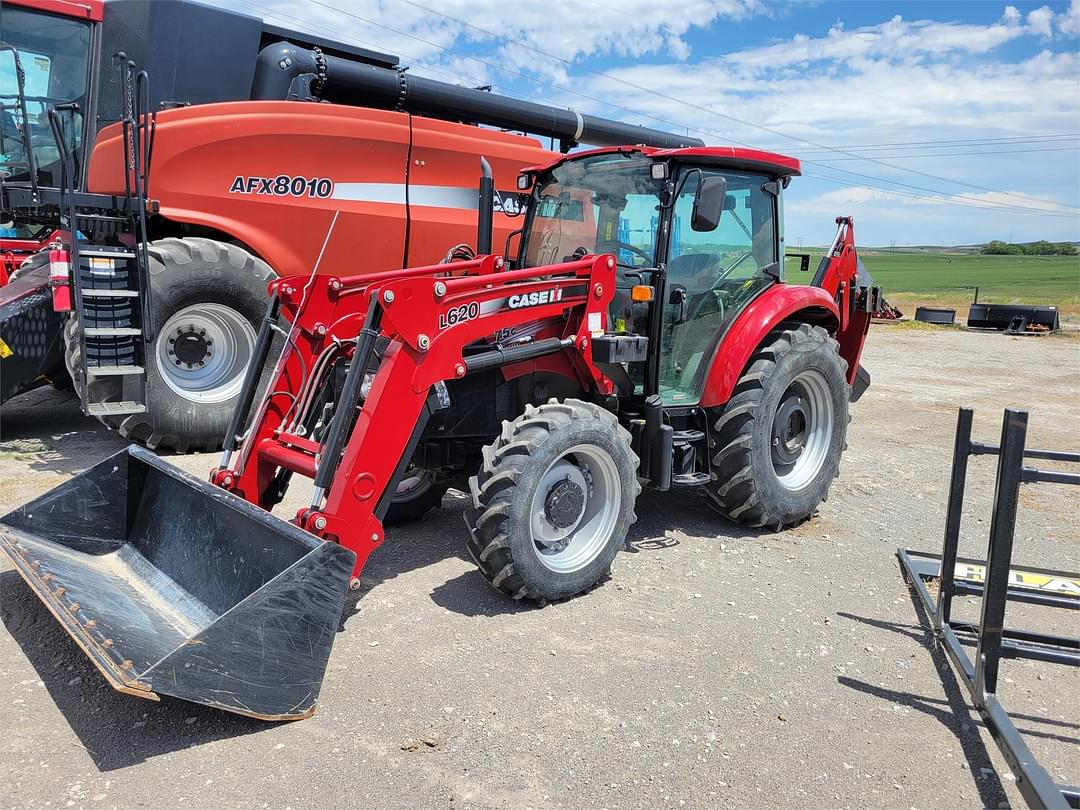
(1068, 22)
(895, 39)
(567, 29)
(1039, 21)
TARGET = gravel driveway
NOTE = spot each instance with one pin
(717, 667)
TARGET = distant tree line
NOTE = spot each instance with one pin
(1040, 248)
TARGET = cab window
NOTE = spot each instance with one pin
(712, 276)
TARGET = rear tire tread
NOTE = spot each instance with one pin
(734, 491)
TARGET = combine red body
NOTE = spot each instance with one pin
(405, 186)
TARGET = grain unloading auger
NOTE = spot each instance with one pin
(642, 336)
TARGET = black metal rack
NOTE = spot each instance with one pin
(998, 582)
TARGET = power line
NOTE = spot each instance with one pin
(963, 154)
(968, 141)
(699, 108)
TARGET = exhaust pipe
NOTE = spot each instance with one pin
(485, 212)
(286, 71)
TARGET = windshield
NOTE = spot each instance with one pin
(602, 204)
(54, 54)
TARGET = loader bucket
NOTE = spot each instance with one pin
(173, 586)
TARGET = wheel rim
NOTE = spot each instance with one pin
(802, 430)
(417, 481)
(203, 351)
(575, 508)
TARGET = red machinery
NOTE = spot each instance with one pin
(661, 348)
(224, 152)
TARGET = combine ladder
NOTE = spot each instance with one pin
(111, 282)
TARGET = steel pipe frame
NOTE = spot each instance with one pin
(994, 641)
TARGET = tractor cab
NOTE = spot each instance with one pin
(696, 234)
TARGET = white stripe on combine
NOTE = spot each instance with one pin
(394, 193)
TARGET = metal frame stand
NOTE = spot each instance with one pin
(999, 584)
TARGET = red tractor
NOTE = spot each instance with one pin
(641, 334)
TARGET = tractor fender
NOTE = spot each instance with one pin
(779, 303)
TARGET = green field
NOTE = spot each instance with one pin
(929, 277)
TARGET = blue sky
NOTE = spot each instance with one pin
(929, 122)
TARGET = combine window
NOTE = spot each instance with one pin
(54, 53)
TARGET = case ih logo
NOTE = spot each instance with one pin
(283, 185)
(509, 203)
(534, 299)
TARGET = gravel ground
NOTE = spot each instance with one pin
(717, 666)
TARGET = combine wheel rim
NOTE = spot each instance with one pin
(203, 351)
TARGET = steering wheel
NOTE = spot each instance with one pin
(716, 295)
(624, 246)
(723, 274)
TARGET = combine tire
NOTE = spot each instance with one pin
(777, 442)
(416, 495)
(208, 298)
(553, 501)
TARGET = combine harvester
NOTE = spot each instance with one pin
(642, 333)
(203, 153)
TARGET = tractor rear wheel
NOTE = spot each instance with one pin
(208, 298)
(777, 442)
(553, 501)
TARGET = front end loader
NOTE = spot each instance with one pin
(642, 334)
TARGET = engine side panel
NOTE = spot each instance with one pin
(272, 175)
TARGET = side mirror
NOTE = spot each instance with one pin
(709, 203)
(804, 260)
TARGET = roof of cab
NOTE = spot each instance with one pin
(727, 156)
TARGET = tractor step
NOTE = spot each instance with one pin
(91, 293)
(117, 331)
(114, 408)
(105, 252)
(685, 447)
(113, 371)
(690, 479)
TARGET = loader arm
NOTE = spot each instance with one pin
(838, 275)
(433, 326)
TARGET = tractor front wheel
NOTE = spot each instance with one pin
(777, 442)
(553, 501)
